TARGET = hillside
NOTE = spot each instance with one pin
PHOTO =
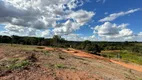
(22, 62)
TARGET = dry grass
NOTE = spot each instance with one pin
(55, 64)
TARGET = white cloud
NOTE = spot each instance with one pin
(140, 34)
(74, 22)
(19, 30)
(73, 37)
(46, 33)
(66, 28)
(109, 31)
(42, 15)
(91, 38)
(126, 32)
(114, 16)
(79, 37)
(81, 16)
(137, 37)
(44, 18)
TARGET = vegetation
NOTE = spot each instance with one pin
(125, 55)
(60, 66)
(14, 64)
(18, 65)
(32, 62)
(129, 51)
(56, 41)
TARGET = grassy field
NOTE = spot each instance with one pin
(124, 55)
(128, 54)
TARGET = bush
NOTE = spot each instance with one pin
(136, 49)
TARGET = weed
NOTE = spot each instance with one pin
(53, 74)
(127, 76)
(19, 65)
(46, 52)
(60, 66)
(72, 67)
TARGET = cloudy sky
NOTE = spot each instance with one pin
(77, 20)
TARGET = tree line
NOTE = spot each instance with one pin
(57, 41)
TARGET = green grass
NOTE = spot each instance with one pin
(126, 56)
(18, 65)
(60, 66)
(132, 57)
(46, 53)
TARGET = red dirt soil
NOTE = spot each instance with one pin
(130, 66)
(75, 75)
(83, 54)
(38, 70)
(87, 55)
(49, 49)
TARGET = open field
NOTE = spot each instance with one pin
(124, 55)
(19, 62)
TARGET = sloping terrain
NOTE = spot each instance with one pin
(85, 54)
(20, 62)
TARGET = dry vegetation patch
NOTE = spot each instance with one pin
(31, 63)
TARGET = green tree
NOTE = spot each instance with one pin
(56, 40)
(85, 44)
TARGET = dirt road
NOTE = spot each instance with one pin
(83, 54)
(130, 66)
(87, 55)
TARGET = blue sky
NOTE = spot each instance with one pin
(95, 20)
(114, 6)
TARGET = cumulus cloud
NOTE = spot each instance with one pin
(120, 33)
(91, 38)
(79, 37)
(73, 37)
(66, 28)
(110, 31)
(75, 20)
(114, 16)
(137, 37)
(46, 33)
(19, 15)
(140, 34)
(81, 16)
(19, 30)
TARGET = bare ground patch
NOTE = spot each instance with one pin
(56, 64)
